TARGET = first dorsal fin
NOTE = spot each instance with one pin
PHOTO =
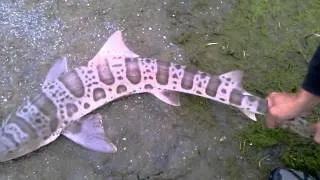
(113, 47)
(233, 76)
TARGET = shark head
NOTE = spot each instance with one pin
(35, 123)
(31, 126)
(28, 129)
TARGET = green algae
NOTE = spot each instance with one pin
(277, 38)
(262, 137)
(304, 156)
(297, 152)
(272, 41)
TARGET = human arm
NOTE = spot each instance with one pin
(285, 106)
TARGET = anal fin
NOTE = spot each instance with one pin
(169, 97)
(89, 133)
(249, 114)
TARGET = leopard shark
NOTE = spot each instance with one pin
(69, 96)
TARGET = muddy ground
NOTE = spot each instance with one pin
(154, 140)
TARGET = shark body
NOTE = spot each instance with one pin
(68, 97)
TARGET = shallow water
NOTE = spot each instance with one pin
(154, 140)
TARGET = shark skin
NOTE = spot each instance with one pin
(69, 96)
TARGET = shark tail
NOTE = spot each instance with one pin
(248, 104)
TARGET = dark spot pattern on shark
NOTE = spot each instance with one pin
(121, 89)
(71, 109)
(148, 86)
(99, 94)
(236, 97)
(162, 74)
(73, 83)
(188, 76)
(105, 74)
(212, 86)
(86, 105)
(47, 107)
(133, 72)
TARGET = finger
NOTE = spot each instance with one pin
(271, 121)
(273, 94)
(317, 133)
(317, 137)
(305, 114)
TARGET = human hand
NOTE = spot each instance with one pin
(283, 107)
(286, 106)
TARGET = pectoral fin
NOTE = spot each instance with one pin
(169, 97)
(89, 133)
